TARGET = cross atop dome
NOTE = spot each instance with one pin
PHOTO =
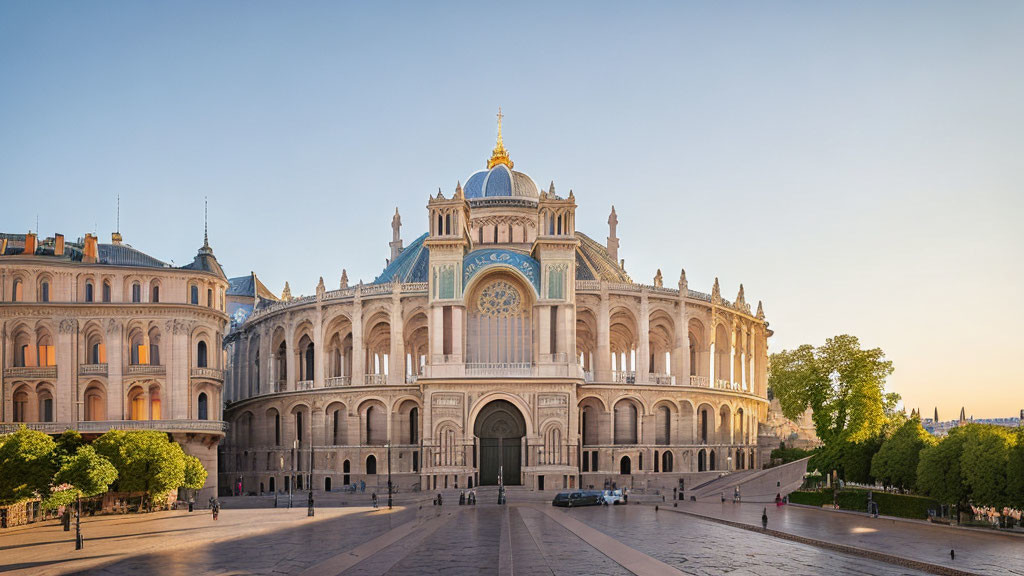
(499, 155)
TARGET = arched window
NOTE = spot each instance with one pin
(663, 426)
(209, 298)
(154, 293)
(336, 423)
(414, 425)
(44, 291)
(18, 291)
(499, 329)
(194, 294)
(20, 405)
(89, 291)
(711, 460)
(625, 465)
(666, 461)
(136, 292)
(106, 291)
(298, 426)
(277, 429)
(371, 464)
(327, 484)
(625, 423)
(702, 461)
(375, 425)
(346, 469)
(95, 404)
(201, 354)
(203, 408)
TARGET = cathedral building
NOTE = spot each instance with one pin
(502, 345)
(98, 336)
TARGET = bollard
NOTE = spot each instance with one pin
(764, 518)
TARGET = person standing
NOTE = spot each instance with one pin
(374, 498)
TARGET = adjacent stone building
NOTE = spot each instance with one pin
(98, 336)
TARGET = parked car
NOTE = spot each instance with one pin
(579, 498)
(613, 497)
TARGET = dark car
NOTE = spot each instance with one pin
(580, 498)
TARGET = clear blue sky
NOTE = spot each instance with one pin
(857, 166)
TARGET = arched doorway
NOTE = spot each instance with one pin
(500, 428)
(625, 465)
(371, 465)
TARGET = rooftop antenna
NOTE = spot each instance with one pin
(117, 224)
(206, 221)
(37, 223)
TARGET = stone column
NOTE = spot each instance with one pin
(319, 353)
(602, 368)
(289, 358)
(176, 394)
(65, 398)
(116, 391)
(643, 365)
(396, 358)
(358, 353)
(544, 344)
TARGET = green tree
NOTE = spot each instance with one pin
(85, 474)
(26, 465)
(146, 461)
(938, 469)
(195, 474)
(895, 463)
(842, 384)
(1015, 471)
(855, 459)
(984, 463)
(68, 444)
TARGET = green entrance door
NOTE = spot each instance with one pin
(500, 429)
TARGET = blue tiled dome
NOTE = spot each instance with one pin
(500, 181)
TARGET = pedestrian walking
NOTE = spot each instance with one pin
(373, 497)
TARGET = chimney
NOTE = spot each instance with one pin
(58, 244)
(90, 254)
(115, 238)
(30, 244)
(3, 246)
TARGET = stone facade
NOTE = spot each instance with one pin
(502, 344)
(99, 336)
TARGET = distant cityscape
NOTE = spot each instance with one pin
(937, 427)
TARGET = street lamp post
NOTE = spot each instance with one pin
(78, 524)
(309, 512)
(388, 444)
(291, 482)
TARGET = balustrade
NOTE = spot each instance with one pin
(211, 373)
(146, 370)
(375, 379)
(499, 369)
(338, 381)
(92, 370)
(624, 376)
(304, 385)
(31, 372)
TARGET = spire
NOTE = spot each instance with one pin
(499, 155)
(396, 235)
(683, 285)
(936, 418)
(286, 294)
(963, 418)
(551, 188)
(760, 311)
(116, 237)
(613, 240)
(344, 279)
(458, 190)
(741, 300)
(716, 292)
(658, 281)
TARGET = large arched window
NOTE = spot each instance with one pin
(44, 291)
(202, 406)
(95, 403)
(194, 294)
(136, 292)
(201, 354)
(371, 465)
(376, 426)
(625, 422)
(20, 405)
(499, 327)
(663, 426)
(18, 291)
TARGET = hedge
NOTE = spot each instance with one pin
(899, 505)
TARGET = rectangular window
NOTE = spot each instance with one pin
(446, 316)
(554, 329)
(447, 282)
(45, 289)
(586, 461)
(47, 356)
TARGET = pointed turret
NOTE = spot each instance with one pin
(551, 188)
(458, 191)
(760, 311)
(320, 288)
(683, 285)
(344, 279)
(499, 155)
(286, 294)
(396, 235)
(741, 300)
(716, 292)
(613, 240)
(963, 417)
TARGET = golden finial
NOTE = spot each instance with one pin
(500, 155)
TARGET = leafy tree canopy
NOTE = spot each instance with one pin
(984, 463)
(1015, 472)
(938, 469)
(26, 464)
(195, 474)
(895, 463)
(146, 461)
(84, 474)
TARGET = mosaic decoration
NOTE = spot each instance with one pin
(478, 260)
(499, 299)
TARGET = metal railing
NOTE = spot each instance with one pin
(92, 369)
(338, 381)
(102, 426)
(145, 370)
(499, 369)
(211, 373)
(31, 372)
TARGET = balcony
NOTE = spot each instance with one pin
(304, 385)
(499, 369)
(662, 379)
(375, 379)
(624, 377)
(338, 381)
(92, 370)
(31, 372)
(700, 381)
(411, 378)
(145, 370)
(99, 427)
(210, 373)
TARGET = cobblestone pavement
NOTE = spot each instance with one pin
(484, 539)
(976, 551)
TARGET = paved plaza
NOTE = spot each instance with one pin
(522, 538)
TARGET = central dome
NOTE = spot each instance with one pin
(500, 181)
